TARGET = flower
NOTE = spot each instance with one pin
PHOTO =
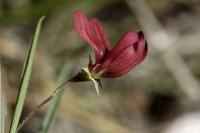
(110, 62)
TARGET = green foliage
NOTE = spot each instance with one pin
(2, 106)
(25, 78)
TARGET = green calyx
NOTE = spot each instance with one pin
(85, 75)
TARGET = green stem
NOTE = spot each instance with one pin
(48, 120)
(29, 116)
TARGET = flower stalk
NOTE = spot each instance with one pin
(82, 75)
(30, 115)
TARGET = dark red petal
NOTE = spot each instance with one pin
(128, 40)
(142, 48)
(92, 32)
(128, 59)
(101, 35)
(121, 65)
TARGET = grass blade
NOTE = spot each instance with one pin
(2, 106)
(25, 78)
(49, 117)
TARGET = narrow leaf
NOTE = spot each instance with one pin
(25, 78)
(2, 106)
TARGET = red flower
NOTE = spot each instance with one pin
(130, 50)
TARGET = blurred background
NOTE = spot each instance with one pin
(161, 95)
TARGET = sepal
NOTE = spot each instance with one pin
(85, 75)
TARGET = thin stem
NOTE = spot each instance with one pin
(52, 109)
(30, 115)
